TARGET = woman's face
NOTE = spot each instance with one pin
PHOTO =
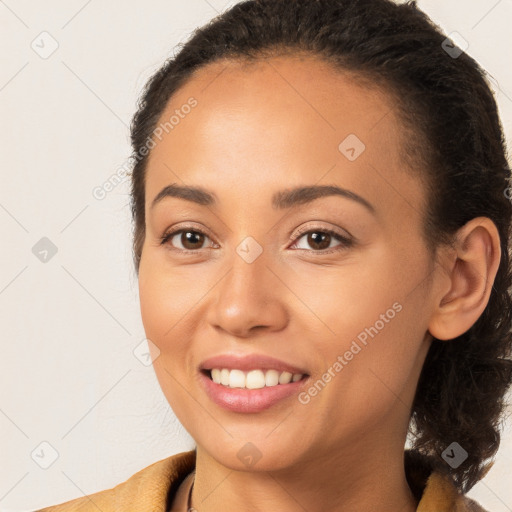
(255, 272)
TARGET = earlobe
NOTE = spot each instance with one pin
(471, 275)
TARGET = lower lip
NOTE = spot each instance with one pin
(249, 400)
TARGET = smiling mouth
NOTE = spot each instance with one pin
(253, 379)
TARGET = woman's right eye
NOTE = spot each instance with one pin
(187, 237)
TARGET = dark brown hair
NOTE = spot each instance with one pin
(455, 139)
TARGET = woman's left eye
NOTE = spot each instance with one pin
(319, 239)
(322, 238)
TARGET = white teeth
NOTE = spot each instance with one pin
(236, 379)
(285, 378)
(224, 377)
(254, 379)
(216, 375)
(272, 378)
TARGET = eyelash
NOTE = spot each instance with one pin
(345, 241)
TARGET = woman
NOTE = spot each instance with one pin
(321, 239)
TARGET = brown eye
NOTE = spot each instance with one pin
(318, 240)
(185, 240)
(191, 239)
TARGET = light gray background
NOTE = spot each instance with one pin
(68, 373)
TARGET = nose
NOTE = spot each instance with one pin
(249, 298)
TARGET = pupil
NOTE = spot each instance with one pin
(313, 237)
(189, 238)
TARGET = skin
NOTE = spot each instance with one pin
(258, 129)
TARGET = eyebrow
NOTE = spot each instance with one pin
(281, 200)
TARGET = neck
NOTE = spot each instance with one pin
(358, 480)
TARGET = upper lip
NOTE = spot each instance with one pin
(249, 362)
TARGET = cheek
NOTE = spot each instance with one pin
(161, 303)
(345, 298)
(154, 311)
(166, 297)
(368, 383)
(384, 372)
(169, 302)
(369, 337)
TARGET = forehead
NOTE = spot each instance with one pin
(279, 122)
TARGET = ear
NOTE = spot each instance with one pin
(470, 275)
